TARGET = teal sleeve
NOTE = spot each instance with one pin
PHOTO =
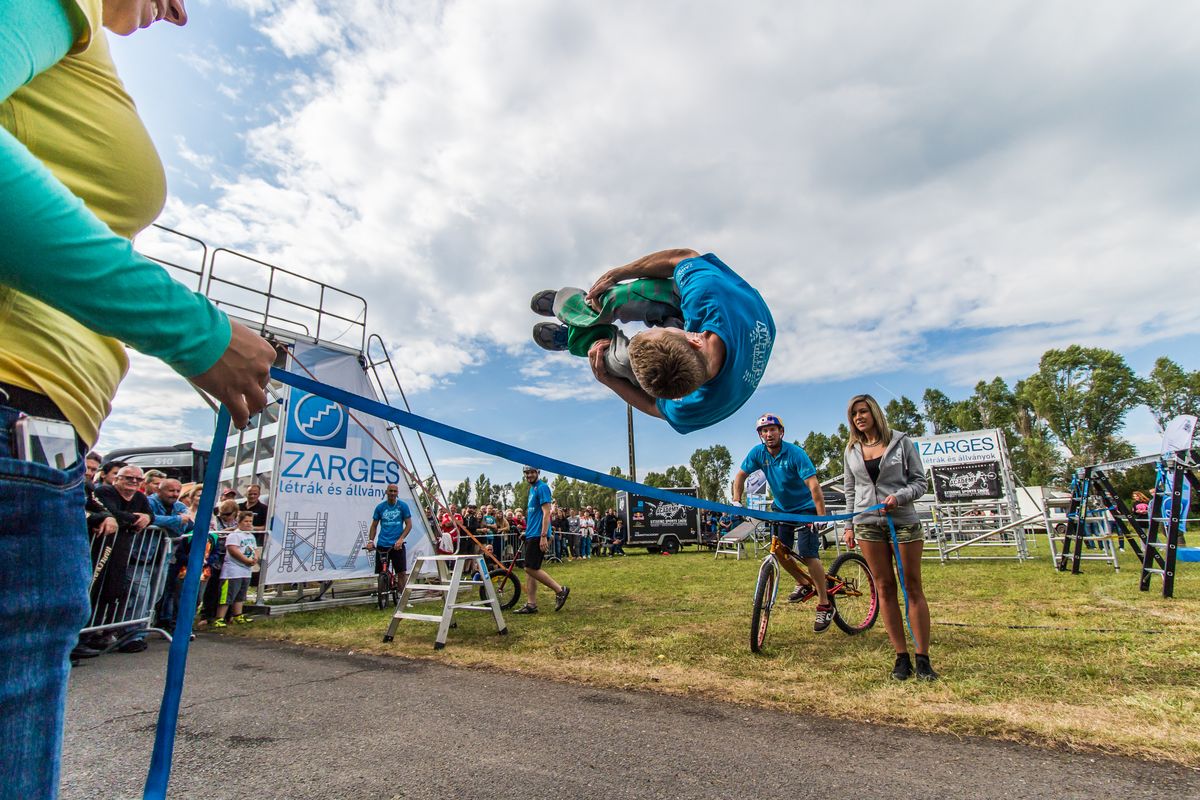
(54, 249)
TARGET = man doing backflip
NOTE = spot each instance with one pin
(793, 481)
(705, 353)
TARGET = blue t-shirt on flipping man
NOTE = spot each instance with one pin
(786, 474)
(715, 298)
(539, 493)
(391, 522)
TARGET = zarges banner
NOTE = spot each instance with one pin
(329, 477)
(967, 447)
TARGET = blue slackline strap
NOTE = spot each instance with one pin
(164, 740)
(509, 452)
(168, 712)
(900, 572)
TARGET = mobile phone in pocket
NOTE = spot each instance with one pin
(46, 441)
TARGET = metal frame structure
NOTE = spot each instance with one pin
(982, 523)
(1090, 486)
(286, 307)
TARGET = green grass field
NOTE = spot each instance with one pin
(1108, 667)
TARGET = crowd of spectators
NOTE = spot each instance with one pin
(138, 520)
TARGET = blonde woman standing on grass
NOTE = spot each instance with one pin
(882, 466)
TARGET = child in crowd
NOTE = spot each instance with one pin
(618, 540)
(241, 555)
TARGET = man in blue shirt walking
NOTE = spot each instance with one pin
(537, 540)
(390, 524)
(793, 481)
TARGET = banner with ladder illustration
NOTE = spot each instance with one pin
(330, 475)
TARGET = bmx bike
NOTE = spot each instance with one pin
(849, 583)
(387, 585)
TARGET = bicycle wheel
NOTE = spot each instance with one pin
(764, 599)
(853, 594)
(508, 589)
(383, 588)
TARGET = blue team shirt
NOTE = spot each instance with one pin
(391, 522)
(786, 474)
(714, 298)
(539, 493)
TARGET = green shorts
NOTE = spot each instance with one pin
(871, 532)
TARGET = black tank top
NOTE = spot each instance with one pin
(872, 465)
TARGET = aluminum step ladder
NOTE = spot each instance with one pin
(450, 592)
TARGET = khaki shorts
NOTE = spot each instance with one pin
(870, 532)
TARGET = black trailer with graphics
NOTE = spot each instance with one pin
(657, 524)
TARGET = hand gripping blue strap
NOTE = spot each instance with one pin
(168, 712)
(518, 455)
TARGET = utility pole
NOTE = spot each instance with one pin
(632, 460)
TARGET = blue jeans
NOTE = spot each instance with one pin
(585, 546)
(44, 574)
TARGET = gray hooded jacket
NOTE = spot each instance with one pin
(901, 473)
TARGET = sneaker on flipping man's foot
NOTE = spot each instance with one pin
(560, 598)
(550, 336)
(803, 592)
(543, 303)
(824, 618)
(526, 609)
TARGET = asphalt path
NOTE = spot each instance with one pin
(266, 720)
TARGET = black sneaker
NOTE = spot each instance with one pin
(924, 670)
(802, 593)
(550, 336)
(526, 609)
(903, 669)
(133, 646)
(543, 303)
(824, 618)
(560, 599)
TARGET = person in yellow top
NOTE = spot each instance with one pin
(79, 177)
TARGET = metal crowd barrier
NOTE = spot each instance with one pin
(128, 576)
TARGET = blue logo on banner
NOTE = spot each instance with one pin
(313, 420)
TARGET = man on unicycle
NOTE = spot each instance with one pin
(793, 480)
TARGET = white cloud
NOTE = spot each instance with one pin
(936, 187)
(152, 407)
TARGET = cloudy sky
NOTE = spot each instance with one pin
(927, 194)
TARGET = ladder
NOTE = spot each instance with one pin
(450, 591)
(1167, 515)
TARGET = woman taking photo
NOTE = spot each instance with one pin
(884, 467)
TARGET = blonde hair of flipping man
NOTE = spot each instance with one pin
(882, 428)
(667, 367)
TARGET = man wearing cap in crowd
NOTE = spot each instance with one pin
(537, 532)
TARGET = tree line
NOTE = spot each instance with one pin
(708, 470)
(1067, 414)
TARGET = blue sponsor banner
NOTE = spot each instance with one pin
(313, 420)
